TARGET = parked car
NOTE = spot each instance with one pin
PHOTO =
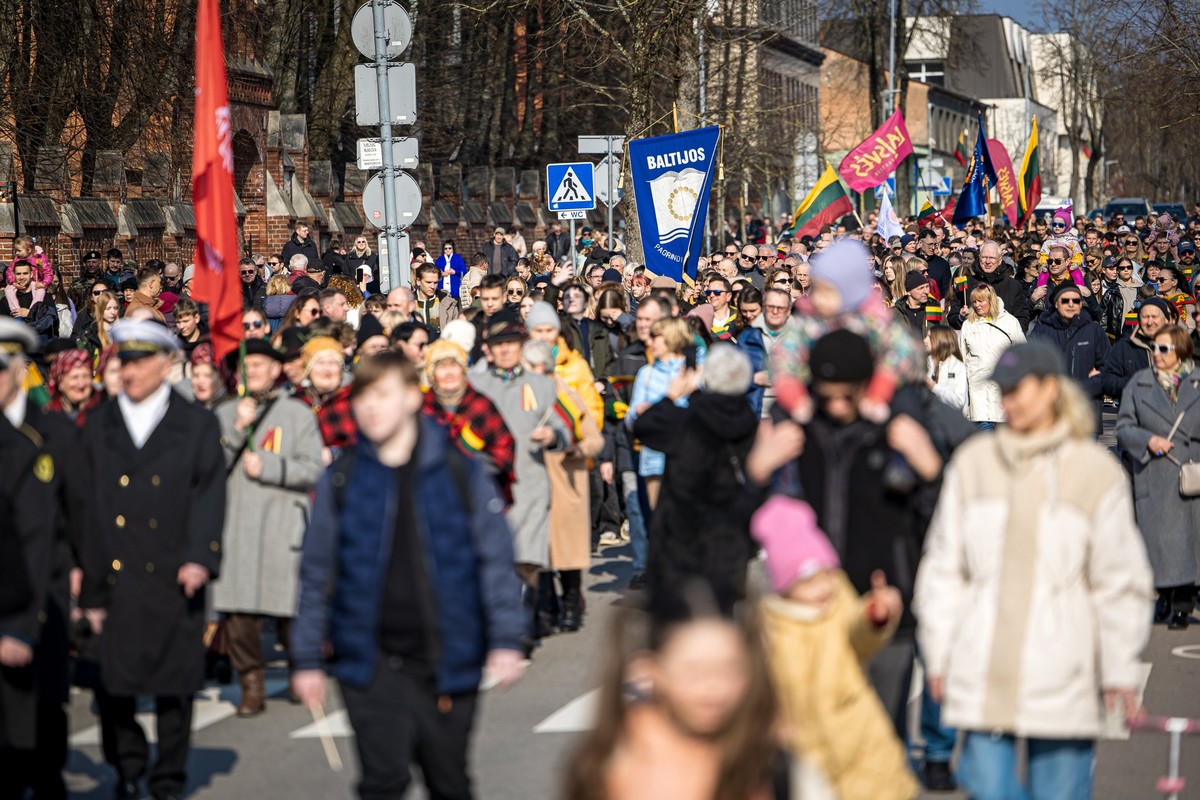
(1131, 207)
(1176, 210)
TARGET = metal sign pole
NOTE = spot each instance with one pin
(399, 277)
(611, 196)
(572, 245)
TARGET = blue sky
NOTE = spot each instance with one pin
(1027, 13)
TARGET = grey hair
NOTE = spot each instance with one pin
(726, 371)
(298, 261)
(537, 353)
(992, 245)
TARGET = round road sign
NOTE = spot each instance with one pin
(408, 200)
(399, 28)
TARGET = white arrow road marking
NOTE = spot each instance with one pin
(209, 709)
(574, 717)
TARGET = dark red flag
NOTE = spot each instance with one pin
(216, 281)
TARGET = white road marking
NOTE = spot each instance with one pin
(574, 717)
(209, 709)
(338, 724)
(1187, 651)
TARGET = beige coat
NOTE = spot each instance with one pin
(570, 507)
(1034, 593)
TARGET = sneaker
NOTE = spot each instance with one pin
(638, 581)
(624, 534)
(609, 539)
(938, 777)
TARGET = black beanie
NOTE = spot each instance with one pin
(841, 357)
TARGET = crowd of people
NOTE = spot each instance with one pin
(834, 458)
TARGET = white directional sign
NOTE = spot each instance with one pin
(404, 153)
(567, 215)
(572, 186)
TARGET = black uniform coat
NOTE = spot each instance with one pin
(27, 490)
(152, 511)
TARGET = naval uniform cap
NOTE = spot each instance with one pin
(16, 338)
(137, 338)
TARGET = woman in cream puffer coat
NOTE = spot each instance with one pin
(1034, 595)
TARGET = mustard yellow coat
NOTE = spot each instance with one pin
(832, 716)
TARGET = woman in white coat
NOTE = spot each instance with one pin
(987, 332)
(1033, 597)
(947, 375)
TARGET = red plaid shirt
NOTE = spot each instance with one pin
(333, 415)
(486, 423)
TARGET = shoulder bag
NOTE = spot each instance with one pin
(1189, 473)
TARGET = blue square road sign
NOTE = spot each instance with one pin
(571, 187)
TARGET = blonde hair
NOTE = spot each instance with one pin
(390, 320)
(1073, 407)
(279, 284)
(675, 332)
(984, 292)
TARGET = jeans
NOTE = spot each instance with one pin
(986, 426)
(939, 740)
(637, 523)
(1059, 769)
(398, 721)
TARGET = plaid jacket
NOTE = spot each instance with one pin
(333, 415)
(477, 427)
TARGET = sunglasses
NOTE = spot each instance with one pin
(447, 249)
(1163, 349)
(1058, 225)
(765, 258)
(272, 263)
(713, 292)
(253, 326)
(516, 292)
(97, 293)
(1126, 268)
(1131, 241)
(731, 253)
(248, 271)
(783, 283)
(1070, 301)
(1054, 261)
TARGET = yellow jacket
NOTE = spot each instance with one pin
(575, 371)
(832, 716)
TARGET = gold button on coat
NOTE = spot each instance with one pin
(124, 480)
(116, 565)
(120, 521)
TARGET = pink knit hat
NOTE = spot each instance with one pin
(796, 547)
(1064, 214)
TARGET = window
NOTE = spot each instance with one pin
(931, 72)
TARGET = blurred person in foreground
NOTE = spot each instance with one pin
(426, 599)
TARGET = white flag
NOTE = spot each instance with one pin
(889, 224)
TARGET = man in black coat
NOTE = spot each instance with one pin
(28, 484)
(300, 242)
(1132, 353)
(1081, 340)
(939, 268)
(558, 243)
(157, 510)
(989, 271)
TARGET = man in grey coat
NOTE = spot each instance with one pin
(526, 401)
(272, 447)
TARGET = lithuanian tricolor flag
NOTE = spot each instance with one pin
(35, 387)
(570, 414)
(469, 440)
(824, 205)
(1029, 181)
(928, 215)
(961, 154)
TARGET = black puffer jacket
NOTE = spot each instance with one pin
(1082, 342)
(1125, 357)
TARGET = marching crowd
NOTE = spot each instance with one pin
(833, 457)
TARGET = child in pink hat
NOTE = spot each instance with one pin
(820, 635)
(1061, 236)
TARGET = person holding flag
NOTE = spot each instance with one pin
(981, 174)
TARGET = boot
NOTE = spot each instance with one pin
(254, 699)
(547, 621)
(572, 615)
(1162, 606)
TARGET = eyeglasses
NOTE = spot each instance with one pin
(1163, 349)
(713, 292)
(777, 308)
(447, 249)
(253, 326)
(1070, 301)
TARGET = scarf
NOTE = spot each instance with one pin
(1169, 380)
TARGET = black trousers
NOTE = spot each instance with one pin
(398, 721)
(124, 741)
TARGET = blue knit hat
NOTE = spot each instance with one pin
(847, 267)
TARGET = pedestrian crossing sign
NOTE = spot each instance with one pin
(571, 186)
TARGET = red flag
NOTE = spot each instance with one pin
(1006, 179)
(877, 156)
(216, 281)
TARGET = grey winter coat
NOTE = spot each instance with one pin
(1170, 523)
(266, 516)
